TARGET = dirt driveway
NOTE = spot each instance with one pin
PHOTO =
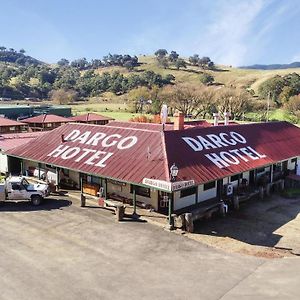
(269, 228)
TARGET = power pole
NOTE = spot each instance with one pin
(268, 106)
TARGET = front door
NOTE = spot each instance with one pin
(163, 202)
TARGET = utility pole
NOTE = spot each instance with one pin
(268, 106)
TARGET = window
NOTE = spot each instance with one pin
(260, 170)
(141, 191)
(16, 187)
(209, 185)
(66, 172)
(236, 177)
(188, 192)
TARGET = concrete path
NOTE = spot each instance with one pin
(62, 251)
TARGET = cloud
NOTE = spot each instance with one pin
(227, 35)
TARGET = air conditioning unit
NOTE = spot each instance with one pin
(229, 189)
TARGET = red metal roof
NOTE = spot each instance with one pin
(155, 151)
(276, 141)
(45, 118)
(145, 158)
(158, 127)
(90, 117)
(140, 125)
(12, 140)
(7, 122)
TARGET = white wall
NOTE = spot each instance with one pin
(124, 191)
(208, 194)
(291, 165)
(183, 202)
(3, 163)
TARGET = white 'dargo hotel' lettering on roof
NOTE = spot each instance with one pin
(224, 159)
(91, 156)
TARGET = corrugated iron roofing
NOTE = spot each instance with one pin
(12, 140)
(145, 158)
(155, 151)
(8, 122)
(45, 118)
(90, 117)
(139, 125)
(158, 127)
(277, 140)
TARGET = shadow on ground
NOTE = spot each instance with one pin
(47, 204)
(255, 223)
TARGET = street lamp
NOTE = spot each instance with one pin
(173, 172)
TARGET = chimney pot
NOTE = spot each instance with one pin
(226, 118)
(216, 119)
(178, 120)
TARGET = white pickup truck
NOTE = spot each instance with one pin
(18, 188)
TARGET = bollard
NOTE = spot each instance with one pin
(261, 193)
(82, 199)
(120, 210)
(189, 223)
(236, 203)
(223, 208)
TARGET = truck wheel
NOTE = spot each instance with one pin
(36, 200)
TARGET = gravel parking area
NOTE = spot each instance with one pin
(269, 228)
(62, 251)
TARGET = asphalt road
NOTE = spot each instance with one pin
(62, 251)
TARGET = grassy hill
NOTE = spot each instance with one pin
(113, 105)
(245, 78)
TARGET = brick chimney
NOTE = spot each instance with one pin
(178, 120)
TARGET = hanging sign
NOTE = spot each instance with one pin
(168, 186)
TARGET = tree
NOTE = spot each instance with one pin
(163, 62)
(236, 102)
(180, 96)
(161, 53)
(22, 51)
(63, 96)
(272, 88)
(138, 98)
(173, 56)
(204, 61)
(205, 103)
(206, 78)
(129, 65)
(286, 93)
(63, 62)
(80, 63)
(194, 60)
(2, 48)
(180, 63)
(293, 107)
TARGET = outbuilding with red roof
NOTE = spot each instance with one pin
(11, 126)
(45, 122)
(91, 118)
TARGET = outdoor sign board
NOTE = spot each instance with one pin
(168, 186)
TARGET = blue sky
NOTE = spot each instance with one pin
(236, 32)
